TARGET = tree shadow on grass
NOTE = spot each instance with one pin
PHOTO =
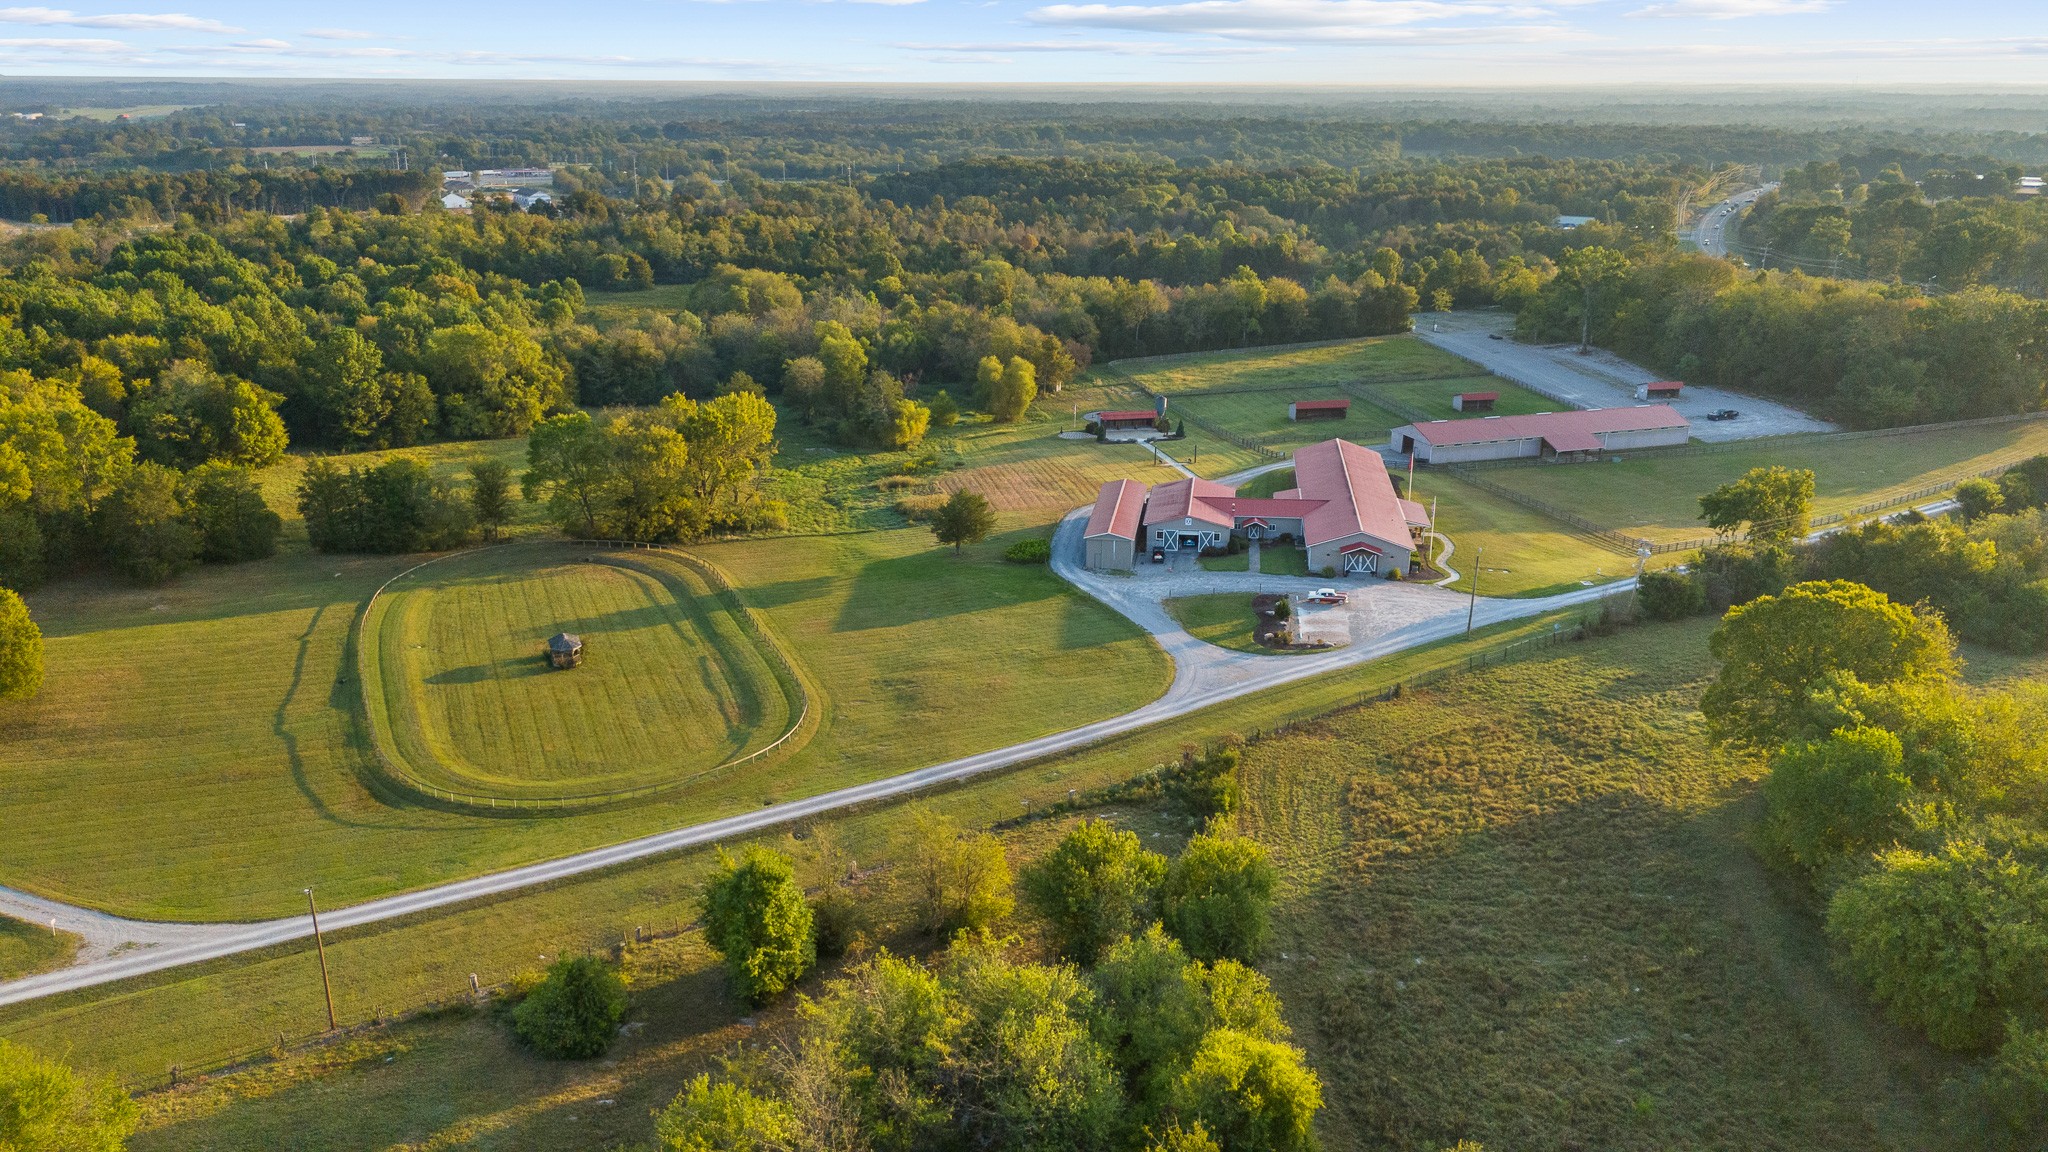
(519, 669)
(936, 584)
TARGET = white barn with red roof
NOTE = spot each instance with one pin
(1557, 434)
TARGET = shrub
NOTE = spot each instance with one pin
(1671, 595)
(21, 649)
(919, 509)
(723, 1117)
(1032, 551)
(756, 917)
(1096, 886)
(1832, 797)
(46, 1107)
(1218, 895)
(1251, 1094)
(963, 880)
(1202, 787)
(945, 410)
(2017, 1083)
(1283, 608)
(573, 1013)
(1948, 943)
(897, 482)
(837, 920)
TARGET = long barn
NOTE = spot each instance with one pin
(1559, 435)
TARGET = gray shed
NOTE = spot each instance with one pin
(565, 650)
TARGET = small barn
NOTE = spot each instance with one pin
(1127, 420)
(1474, 401)
(565, 650)
(1319, 410)
(1659, 390)
(1111, 540)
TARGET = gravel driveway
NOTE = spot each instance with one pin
(1601, 379)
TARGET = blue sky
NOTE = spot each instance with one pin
(1433, 43)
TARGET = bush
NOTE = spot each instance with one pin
(1032, 551)
(2017, 1084)
(837, 920)
(756, 917)
(46, 1107)
(897, 482)
(1671, 595)
(945, 410)
(21, 649)
(1948, 943)
(1095, 887)
(1283, 608)
(573, 1013)
(1203, 787)
(1251, 1094)
(919, 509)
(1218, 895)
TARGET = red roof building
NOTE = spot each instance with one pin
(1319, 410)
(1565, 434)
(1474, 401)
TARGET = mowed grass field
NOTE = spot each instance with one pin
(198, 751)
(1493, 926)
(1434, 397)
(671, 683)
(1262, 417)
(1525, 553)
(1658, 497)
(1518, 909)
(1374, 359)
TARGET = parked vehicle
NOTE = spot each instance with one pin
(1159, 555)
(1723, 414)
(1495, 336)
(1328, 596)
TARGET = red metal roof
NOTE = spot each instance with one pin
(1664, 385)
(1478, 395)
(1358, 497)
(1204, 500)
(1415, 513)
(1117, 510)
(1134, 414)
(1572, 440)
(1320, 405)
(1361, 546)
(1593, 422)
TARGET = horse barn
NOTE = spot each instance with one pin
(1552, 435)
(1659, 390)
(1319, 410)
(1131, 420)
(1342, 511)
(1111, 539)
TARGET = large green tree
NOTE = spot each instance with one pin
(1097, 884)
(21, 649)
(1777, 652)
(965, 518)
(1218, 896)
(1776, 503)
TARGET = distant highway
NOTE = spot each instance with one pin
(1711, 233)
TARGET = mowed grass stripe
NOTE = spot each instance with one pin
(670, 686)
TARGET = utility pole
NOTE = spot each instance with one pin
(1473, 608)
(320, 946)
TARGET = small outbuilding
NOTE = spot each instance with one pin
(1474, 401)
(1659, 390)
(565, 650)
(1319, 410)
(1127, 421)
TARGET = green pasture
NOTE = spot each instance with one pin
(1262, 417)
(1224, 619)
(199, 1013)
(1476, 904)
(1525, 553)
(1658, 496)
(1267, 483)
(1274, 560)
(671, 685)
(1434, 397)
(212, 728)
(1374, 359)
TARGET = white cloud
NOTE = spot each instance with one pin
(981, 52)
(127, 20)
(340, 34)
(1266, 15)
(1733, 9)
(61, 45)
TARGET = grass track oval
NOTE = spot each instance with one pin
(681, 679)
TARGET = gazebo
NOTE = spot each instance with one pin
(565, 650)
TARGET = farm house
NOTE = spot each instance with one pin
(1556, 435)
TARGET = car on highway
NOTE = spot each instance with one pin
(1724, 414)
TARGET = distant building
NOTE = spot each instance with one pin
(361, 141)
(515, 178)
(1474, 401)
(1559, 435)
(1569, 223)
(525, 198)
(454, 202)
(1132, 419)
(454, 175)
(1659, 390)
(1318, 410)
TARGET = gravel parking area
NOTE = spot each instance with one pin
(1601, 379)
